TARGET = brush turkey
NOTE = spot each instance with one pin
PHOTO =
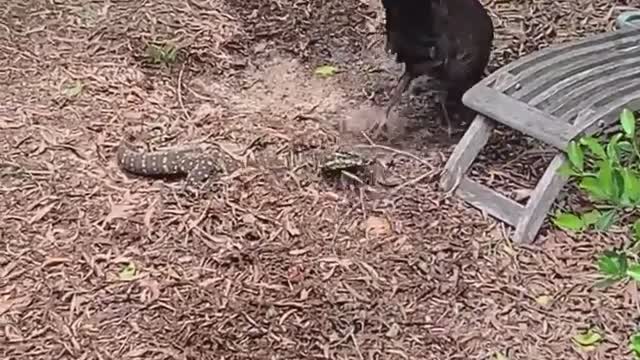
(448, 40)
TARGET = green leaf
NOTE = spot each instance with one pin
(613, 265)
(631, 185)
(576, 156)
(593, 188)
(634, 271)
(567, 170)
(636, 230)
(634, 343)
(605, 221)
(605, 179)
(628, 122)
(499, 356)
(612, 148)
(591, 217)
(325, 70)
(587, 339)
(128, 271)
(594, 146)
(618, 185)
(568, 222)
(73, 89)
(625, 147)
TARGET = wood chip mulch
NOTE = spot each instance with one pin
(281, 263)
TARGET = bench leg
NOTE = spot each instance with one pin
(541, 200)
(474, 139)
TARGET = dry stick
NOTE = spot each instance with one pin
(413, 181)
(373, 145)
(200, 218)
(416, 180)
(340, 224)
(355, 343)
(179, 91)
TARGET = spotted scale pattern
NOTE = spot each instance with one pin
(198, 169)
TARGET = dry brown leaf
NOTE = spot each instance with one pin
(42, 212)
(249, 219)
(377, 226)
(150, 292)
(53, 261)
(291, 228)
(544, 300)
(121, 211)
(18, 304)
(393, 331)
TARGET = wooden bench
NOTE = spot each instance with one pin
(553, 95)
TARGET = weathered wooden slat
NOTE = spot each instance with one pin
(540, 201)
(608, 115)
(517, 115)
(544, 58)
(486, 199)
(554, 89)
(593, 93)
(474, 139)
(566, 62)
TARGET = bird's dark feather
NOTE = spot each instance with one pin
(450, 40)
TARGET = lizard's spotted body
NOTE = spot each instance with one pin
(197, 168)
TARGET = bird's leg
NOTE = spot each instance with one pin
(447, 119)
(445, 113)
(396, 94)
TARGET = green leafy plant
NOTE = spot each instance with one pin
(609, 173)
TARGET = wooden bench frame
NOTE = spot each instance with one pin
(554, 95)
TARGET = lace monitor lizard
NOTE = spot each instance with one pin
(197, 168)
(200, 169)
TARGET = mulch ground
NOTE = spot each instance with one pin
(281, 263)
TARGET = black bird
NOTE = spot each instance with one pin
(448, 40)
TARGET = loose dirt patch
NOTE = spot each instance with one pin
(281, 263)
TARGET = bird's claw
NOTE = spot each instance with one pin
(379, 127)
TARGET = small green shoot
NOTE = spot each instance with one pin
(128, 272)
(587, 340)
(325, 71)
(162, 54)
